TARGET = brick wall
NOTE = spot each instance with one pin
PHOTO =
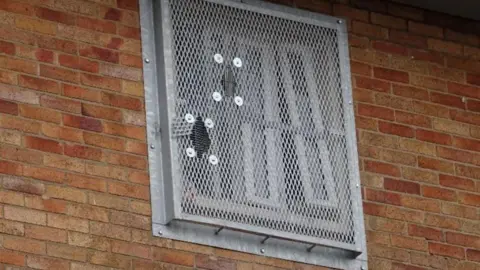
(73, 168)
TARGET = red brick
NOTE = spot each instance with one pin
(104, 141)
(390, 47)
(473, 255)
(84, 182)
(139, 177)
(467, 171)
(38, 262)
(358, 42)
(351, 13)
(408, 242)
(38, 84)
(66, 252)
(431, 109)
(446, 250)
(12, 257)
(473, 105)
(61, 104)
(406, 12)
(383, 196)
(399, 130)
(79, 63)
(50, 205)
(464, 64)
(382, 168)
(7, 47)
(401, 186)
(135, 147)
(130, 161)
(122, 101)
(434, 137)
(425, 232)
(363, 95)
(21, 65)
(464, 90)
(129, 190)
(435, 164)
(131, 60)
(457, 155)
(214, 263)
(463, 240)
(112, 14)
(468, 144)
(128, 4)
(445, 46)
(59, 73)
(129, 32)
(99, 53)
(133, 132)
(388, 21)
(372, 84)
(82, 122)
(466, 117)
(96, 25)
(427, 56)
(409, 39)
(456, 182)
(102, 82)
(45, 174)
(173, 256)
(83, 152)
(45, 233)
(376, 112)
(391, 75)
(131, 249)
(56, 16)
(39, 113)
(473, 79)
(360, 68)
(16, 7)
(101, 112)
(425, 30)
(413, 119)
(369, 30)
(43, 144)
(57, 44)
(469, 199)
(62, 133)
(439, 193)
(410, 92)
(24, 186)
(132, 74)
(78, 92)
(8, 107)
(448, 100)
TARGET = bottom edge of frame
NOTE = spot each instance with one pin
(256, 244)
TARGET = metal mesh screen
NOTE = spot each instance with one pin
(259, 137)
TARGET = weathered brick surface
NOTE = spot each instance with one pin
(74, 186)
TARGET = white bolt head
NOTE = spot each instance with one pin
(217, 96)
(189, 118)
(209, 123)
(237, 62)
(191, 152)
(218, 58)
(213, 159)
(262, 250)
(238, 100)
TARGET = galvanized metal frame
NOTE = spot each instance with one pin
(159, 81)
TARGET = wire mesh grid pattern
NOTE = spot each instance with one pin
(259, 126)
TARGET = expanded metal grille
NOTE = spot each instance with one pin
(259, 130)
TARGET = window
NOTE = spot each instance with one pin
(251, 130)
